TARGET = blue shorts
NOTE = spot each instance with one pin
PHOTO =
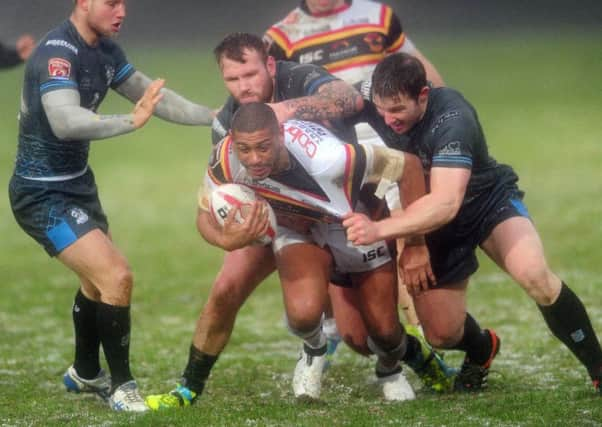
(56, 214)
(453, 247)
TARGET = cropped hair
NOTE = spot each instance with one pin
(399, 73)
(253, 117)
(233, 47)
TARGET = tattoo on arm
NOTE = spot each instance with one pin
(334, 100)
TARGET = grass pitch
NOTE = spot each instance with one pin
(540, 102)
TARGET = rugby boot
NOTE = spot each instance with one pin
(395, 386)
(126, 398)
(429, 365)
(99, 385)
(472, 376)
(307, 379)
(179, 397)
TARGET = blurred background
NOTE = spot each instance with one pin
(198, 23)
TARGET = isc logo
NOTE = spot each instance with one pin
(372, 254)
(311, 57)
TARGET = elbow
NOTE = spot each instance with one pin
(449, 210)
(63, 131)
(359, 102)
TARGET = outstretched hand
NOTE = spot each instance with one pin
(25, 45)
(360, 229)
(145, 107)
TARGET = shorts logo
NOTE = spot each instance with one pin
(372, 254)
(80, 216)
(59, 67)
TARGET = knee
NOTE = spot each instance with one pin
(226, 295)
(303, 316)
(540, 284)
(442, 337)
(119, 289)
(386, 336)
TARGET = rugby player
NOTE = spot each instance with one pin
(312, 179)
(295, 91)
(53, 193)
(348, 38)
(472, 201)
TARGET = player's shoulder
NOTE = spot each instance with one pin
(292, 18)
(223, 164)
(60, 41)
(316, 147)
(369, 9)
(449, 109)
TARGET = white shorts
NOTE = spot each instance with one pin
(348, 258)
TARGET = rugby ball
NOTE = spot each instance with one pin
(228, 196)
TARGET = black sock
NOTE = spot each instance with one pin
(197, 370)
(114, 330)
(476, 342)
(87, 341)
(412, 348)
(569, 322)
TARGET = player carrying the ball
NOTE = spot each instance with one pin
(312, 179)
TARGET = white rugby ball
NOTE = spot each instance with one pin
(228, 196)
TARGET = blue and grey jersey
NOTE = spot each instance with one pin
(448, 135)
(63, 60)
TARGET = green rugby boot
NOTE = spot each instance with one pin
(429, 365)
(179, 397)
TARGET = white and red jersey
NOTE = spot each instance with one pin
(348, 41)
(322, 183)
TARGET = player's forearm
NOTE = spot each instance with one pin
(334, 100)
(426, 214)
(69, 121)
(172, 107)
(208, 230)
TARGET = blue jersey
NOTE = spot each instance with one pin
(63, 60)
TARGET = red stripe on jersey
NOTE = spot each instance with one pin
(225, 159)
(349, 171)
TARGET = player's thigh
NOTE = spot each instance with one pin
(442, 312)
(97, 260)
(304, 271)
(516, 247)
(243, 270)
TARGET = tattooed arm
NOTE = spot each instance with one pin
(333, 100)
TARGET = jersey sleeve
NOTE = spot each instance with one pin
(273, 45)
(454, 135)
(123, 69)
(56, 67)
(298, 80)
(221, 122)
(395, 38)
(217, 173)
